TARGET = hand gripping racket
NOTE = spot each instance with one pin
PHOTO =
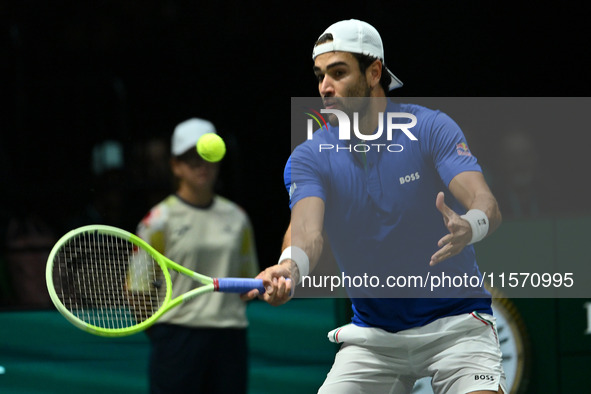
(110, 282)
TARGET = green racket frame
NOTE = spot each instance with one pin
(165, 263)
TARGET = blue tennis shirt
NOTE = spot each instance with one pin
(380, 214)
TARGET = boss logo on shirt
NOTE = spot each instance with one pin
(488, 378)
(409, 178)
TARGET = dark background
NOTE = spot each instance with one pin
(76, 73)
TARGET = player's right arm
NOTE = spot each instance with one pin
(304, 232)
(302, 243)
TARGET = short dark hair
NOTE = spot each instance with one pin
(364, 62)
(324, 39)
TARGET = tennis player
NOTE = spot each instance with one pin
(372, 218)
(201, 345)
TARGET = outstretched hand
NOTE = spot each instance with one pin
(460, 232)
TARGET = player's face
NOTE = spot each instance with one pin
(195, 172)
(339, 76)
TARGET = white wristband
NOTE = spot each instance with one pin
(299, 257)
(479, 223)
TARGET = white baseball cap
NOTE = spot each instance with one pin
(187, 133)
(357, 37)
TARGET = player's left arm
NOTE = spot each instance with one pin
(482, 218)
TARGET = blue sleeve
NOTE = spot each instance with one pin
(287, 174)
(449, 149)
(303, 176)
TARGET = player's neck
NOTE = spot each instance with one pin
(200, 197)
(369, 122)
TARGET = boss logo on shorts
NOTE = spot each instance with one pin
(409, 178)
(488, 378)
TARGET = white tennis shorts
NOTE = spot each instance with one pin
(461, 354)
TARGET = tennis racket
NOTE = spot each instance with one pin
(110, 282)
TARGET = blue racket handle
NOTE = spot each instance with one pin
(238, 285)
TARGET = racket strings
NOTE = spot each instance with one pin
(107, 282)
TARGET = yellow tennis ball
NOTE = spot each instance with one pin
(211, 147)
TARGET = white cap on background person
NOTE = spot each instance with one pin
(355, 36)
(187, 133)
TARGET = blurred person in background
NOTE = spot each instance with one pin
(517, 180)
(200, 346)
